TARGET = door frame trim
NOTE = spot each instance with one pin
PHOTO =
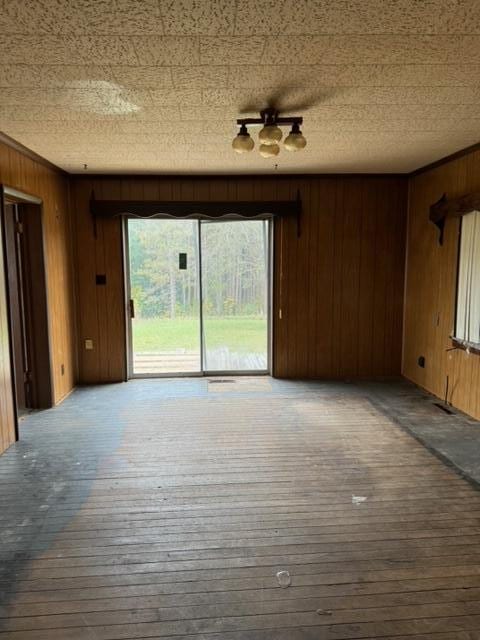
(200, 299)
(11, 195)
(127, 297)
(18, 197)
(4, 275)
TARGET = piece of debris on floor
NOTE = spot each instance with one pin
(284, 579)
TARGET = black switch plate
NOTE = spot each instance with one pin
(101, 278)
(421, 362)
(182, 260)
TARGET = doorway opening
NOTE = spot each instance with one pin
(24, 266)
(198, 296)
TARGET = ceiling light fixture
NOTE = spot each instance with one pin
(270, 134)
(269, 150)
(242, 141)
(295, 140)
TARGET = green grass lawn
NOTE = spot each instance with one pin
(240, 333)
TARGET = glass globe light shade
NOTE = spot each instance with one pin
(295, 141)
(243, 142)
(270, 134)
(269, 150)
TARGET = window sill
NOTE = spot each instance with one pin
(471, 347)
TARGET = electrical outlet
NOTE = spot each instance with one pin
(89, 344)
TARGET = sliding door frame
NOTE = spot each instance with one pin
(203, 372)
(128, 315)
(128, 296)
(251, 372)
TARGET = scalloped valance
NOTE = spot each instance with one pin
(209, 210)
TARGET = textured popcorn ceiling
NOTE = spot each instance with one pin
(156, 86)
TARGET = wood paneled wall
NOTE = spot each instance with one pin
(25, 174)
(430, 288)
(340, 285)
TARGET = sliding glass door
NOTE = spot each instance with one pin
(164, 297)
(198, 296)
(235, 295)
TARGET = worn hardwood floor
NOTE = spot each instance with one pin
(164, 509)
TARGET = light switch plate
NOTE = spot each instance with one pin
(89, 344)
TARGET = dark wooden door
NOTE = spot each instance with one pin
(28, 306)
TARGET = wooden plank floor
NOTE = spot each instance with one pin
(164, 509)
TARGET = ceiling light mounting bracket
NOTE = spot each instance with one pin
(270, 116)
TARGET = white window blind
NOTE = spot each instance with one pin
(467, 327)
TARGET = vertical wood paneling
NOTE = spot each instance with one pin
(87, 306)
(350, 269)
(115, 303)
(25, 174)
(366, 280)
(336, 268)
(398, 302)
(430, 289)
(311, 319)
(323, 283)
(341, 286)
